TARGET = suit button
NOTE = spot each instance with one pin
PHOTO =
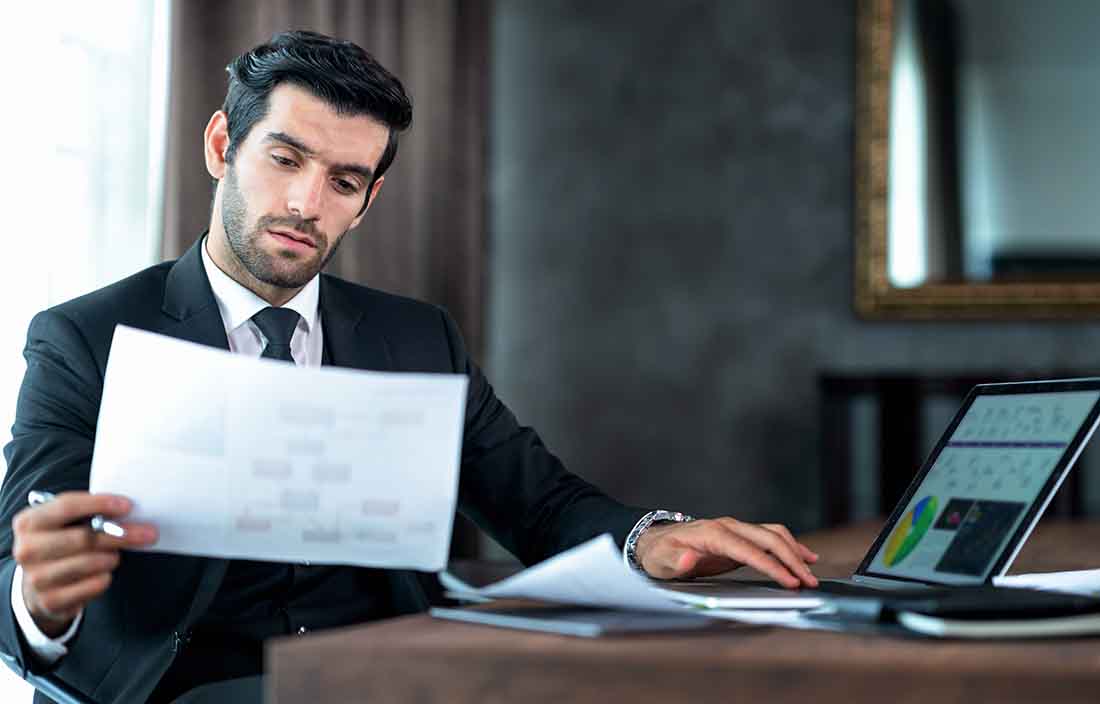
(302, 630)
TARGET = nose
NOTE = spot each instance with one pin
(306, 194)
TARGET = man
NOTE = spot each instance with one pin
(299, 151)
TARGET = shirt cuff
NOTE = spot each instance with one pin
(47, 650)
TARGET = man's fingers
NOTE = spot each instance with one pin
(724, 541)
(761, 537)
(136, 535)
(55, 544)
(783, 533)
(672, 559)
(66, 601)
(781, 530)
(664, 561)
(70, 570)
(782, 550)
(69, 507)
(685, 563)
(52, 545)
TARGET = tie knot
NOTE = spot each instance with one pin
(277, 325)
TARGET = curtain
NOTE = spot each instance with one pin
(425, 235)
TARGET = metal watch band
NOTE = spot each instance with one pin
(630, 556)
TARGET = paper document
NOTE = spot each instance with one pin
(1077, 582)
(593, 574)
(232, 456)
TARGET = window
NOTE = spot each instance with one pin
(84, 116)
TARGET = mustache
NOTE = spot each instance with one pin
(306, 227)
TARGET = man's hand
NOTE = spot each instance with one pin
(65, 564)
(707, 547)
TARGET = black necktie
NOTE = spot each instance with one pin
(277, 325)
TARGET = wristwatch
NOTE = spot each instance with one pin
(630, 556)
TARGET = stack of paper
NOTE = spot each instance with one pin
(593, 574)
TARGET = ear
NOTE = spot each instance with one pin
(370, 199)
(216, 143)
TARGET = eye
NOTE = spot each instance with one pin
(283, 161)
(345, 186)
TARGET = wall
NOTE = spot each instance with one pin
(671, 199)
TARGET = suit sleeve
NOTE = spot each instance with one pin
(514, 488)
(52, 440)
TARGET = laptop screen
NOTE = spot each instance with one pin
(990, 472)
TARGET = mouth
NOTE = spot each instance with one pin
(292, 238)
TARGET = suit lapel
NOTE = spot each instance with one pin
(350, 340)
(189, 302)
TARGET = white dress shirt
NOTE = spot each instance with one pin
(237, 305)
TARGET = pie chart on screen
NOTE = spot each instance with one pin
(909, 531)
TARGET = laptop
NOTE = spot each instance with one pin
(975, 500)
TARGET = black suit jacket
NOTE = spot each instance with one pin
(510, 484)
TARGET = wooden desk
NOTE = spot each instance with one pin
(418, 659)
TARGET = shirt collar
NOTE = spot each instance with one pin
(237, 304)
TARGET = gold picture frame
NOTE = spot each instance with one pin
(875, 297)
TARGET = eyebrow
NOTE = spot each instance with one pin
(364, 171)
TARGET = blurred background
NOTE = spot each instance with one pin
(641, 213)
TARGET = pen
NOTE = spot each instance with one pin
(99, 523)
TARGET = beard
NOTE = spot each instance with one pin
(285, 269)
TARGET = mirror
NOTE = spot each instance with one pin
(977, 159)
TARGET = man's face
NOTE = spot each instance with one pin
(297, 184)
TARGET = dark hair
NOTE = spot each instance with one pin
(337, 71)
